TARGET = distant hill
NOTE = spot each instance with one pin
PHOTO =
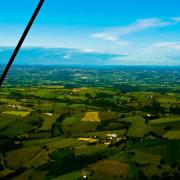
(51, 56)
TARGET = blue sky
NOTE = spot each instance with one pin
(145, 31)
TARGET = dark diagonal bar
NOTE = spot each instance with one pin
(6, 70)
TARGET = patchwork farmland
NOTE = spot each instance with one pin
(73, 131)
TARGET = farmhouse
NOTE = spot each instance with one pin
(111, 136)
(48, 114)
(15, 106)
(85, 174)
(113, 139)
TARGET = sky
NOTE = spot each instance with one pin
(145, 32)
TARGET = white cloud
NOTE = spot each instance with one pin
(67, 56)
(114, 34)
(176, 19)
(159, 53)
(167, 45)
(142, 24)
(124, 43)
(88, 50)
(161, 50)
(106, 36)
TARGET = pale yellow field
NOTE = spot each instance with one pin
(75, 90)
(90, 140)
(17, 113)
(91, 116)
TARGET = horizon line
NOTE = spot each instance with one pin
(94, 65)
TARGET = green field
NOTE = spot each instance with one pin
(6, 120)
(165, 120)
(138, 127)
(48, 121)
